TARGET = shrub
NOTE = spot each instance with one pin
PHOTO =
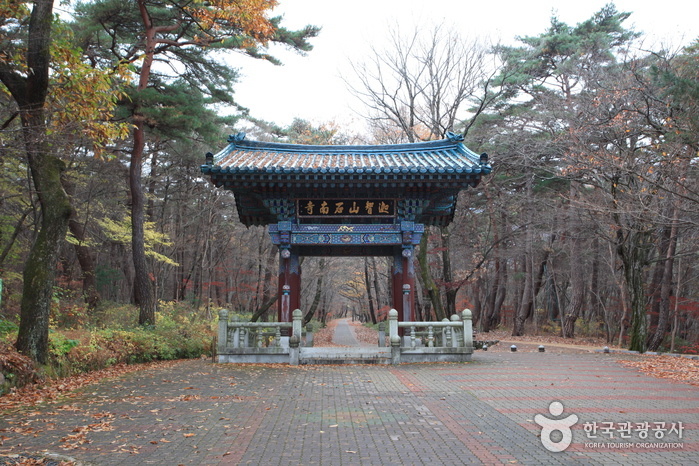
(688, 349)
(99, 348)
(110, 336)
(551, 327)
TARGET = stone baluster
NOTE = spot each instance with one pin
(447, 334)
(456, 334)
(243, 338)
(412, 337)
(258, 337)
(234, 333)
(277, 336)
(430, 336)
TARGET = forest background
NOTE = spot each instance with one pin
(111, 236)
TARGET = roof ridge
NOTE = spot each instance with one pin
(239, 142)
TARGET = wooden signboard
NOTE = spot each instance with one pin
(345, 208)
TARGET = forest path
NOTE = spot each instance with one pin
(344, 335)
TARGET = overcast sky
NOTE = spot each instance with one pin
(311, 87)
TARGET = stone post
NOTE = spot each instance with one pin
(393, 336)
(407, 315)
(222, 330)
(468, 328)
(294, 341)
(297, 318)
(395, 349)
(392, 324)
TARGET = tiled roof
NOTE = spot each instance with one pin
(423, 177)
(447, 156)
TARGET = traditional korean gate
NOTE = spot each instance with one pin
(372, 200)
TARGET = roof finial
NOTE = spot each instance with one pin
(236, 137)
(453, 137)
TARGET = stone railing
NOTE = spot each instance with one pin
(434, 341)
(263, 342)
(259, 341)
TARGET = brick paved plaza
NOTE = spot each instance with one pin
(197, 412)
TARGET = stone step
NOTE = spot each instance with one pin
(347, 361)
(354, 355)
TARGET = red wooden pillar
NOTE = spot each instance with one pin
(403, 286)
(397, 288)
(289, 287)
(408, 287)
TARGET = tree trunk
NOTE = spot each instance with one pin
(577, 280)
(142, 281)
(152, 184)
(82, 251)
(477, 302)
(451, 288)
(653, 289)
(428, 281)
(15, 232)
(269, 285)
(40, 269)
(264, 307)
(319, 291)
(577, 299)
(633, 252)
(377, 288)
(596, 304)
(501, 295)
(498, 289)
(367, 283)
(524, 308)
(675, 311)
(666, 288)
(487, 318)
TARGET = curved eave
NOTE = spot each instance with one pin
(232, 177)
(448, 156)
(346, 173)
(304, 182)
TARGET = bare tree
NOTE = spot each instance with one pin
(424, 83)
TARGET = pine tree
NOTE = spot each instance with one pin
(190, 37)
